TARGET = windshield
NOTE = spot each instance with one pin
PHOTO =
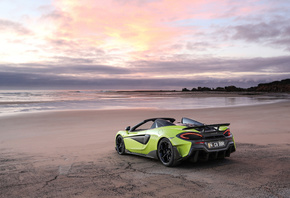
(161, 123)
(190, 122)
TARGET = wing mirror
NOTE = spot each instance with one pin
(128, 128)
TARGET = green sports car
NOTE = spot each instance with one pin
(171, 143)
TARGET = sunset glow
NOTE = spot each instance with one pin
(191, 41)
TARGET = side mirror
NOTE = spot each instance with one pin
(128, 128)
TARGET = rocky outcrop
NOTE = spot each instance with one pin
(276, 86)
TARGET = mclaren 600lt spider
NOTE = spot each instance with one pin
(171, 143)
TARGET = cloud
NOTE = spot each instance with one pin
(178, 68)
(131, 24)
(215, 65)
(256, 32)
(202, 45)
(18, 80)
(35, 69)
(273, 30)
(125, 42)
(199, 72)
(135, 29)
(11, 26)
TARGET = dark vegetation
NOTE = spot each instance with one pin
(276, 86)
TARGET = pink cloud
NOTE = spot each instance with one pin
(128, 23)
(136, 25)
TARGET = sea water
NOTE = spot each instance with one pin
(12, 102)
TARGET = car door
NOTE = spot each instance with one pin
(137, 140)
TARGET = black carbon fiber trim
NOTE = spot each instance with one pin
(143, 139)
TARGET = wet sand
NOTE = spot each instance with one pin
(71, 154)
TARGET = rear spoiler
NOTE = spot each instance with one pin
(205, 126)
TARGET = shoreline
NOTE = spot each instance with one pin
(274, 101)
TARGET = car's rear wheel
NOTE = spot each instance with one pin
(166, 153)
(120, 146)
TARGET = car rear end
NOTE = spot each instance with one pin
(208, 142)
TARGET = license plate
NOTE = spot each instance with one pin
(215, 144)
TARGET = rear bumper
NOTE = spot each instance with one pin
(200, 152)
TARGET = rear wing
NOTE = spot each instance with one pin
(214, 127)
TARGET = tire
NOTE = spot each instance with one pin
(166, 153)
(120, 145)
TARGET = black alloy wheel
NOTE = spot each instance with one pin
(165, 152)
(120, 146)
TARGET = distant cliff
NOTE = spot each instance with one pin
(276, 86)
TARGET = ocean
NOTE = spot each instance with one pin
(22, 101)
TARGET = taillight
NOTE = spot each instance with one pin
(190, 136)
(227, 132)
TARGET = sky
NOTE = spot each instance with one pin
(143, 44)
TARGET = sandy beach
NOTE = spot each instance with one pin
(71, 154)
